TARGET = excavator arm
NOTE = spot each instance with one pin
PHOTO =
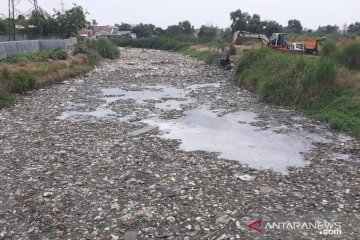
(263, 38)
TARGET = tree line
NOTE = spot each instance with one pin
(71, 21)
(64, 25)
(245, 22)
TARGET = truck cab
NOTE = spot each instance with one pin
(278, 40)
(300, 47)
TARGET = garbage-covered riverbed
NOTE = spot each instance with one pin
(157, 145)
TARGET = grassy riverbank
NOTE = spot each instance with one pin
(21, 73)
(184, 45)
(327, 88)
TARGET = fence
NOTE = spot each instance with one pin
(22, 47)
(25, 37)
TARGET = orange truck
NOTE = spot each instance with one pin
(311, 45)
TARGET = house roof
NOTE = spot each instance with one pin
(103, 33)
(86, 32)
(123, 32)
(108, 29)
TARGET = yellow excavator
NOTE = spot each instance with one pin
(277, 41)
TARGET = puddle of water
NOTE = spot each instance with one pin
(201, 129)
(101, 112)
(199, 86)
(172, 104)
(168, 98)
(155, 93)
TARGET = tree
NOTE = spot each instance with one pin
(174, 30)
(187, 28)
(270, 27)
(207, 32)
(354, 28)
(21, 17)
(144, 30)
(328, 29)
(51, 26)
(124, 27)
(240, 20)
(3, 26)
(37, 19)
(71, 21)
(94, 23)
(294, 26)
(254, 25)
(159, 31)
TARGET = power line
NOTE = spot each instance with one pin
(14, 13)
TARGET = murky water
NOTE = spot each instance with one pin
(235, 136)
(230, 136)
(165, 97)
(73, 111)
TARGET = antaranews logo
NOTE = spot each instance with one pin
(323, 227)
(256, 226)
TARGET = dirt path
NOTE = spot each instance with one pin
(160, 146)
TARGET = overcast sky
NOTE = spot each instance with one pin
(311, 13)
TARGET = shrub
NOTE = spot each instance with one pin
(350, 55)
(22, 82)
(275, 91)
(81, 49)
(122, 41)
(161, 43)
(286, 79)
(92, 44)
(329, 49)
(60, 54)
(107, 49)
(43, 56)
(6, 99)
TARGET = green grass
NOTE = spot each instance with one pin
(310, 84)
(283, 78)
(346, 54)
(349, 55)
(179, 44)
(43, 56)
(21, 82)
(107, 49)
(6, 100)
(22, 73)
(210, 57)
(340, 108)
(160, 43)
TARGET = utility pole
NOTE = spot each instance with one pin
(13, 16)
(62, 4)
(12, 27)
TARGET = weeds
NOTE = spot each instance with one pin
(350, 55)
(285, 79)
(210, 57)
(316, 86)
(43, 56)
(344, 53)
(20, 74)
(161, 43)
(340, 108)
(179, 44)
(329, 49)
(6, 99)
(21, 82)
(107, 49)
